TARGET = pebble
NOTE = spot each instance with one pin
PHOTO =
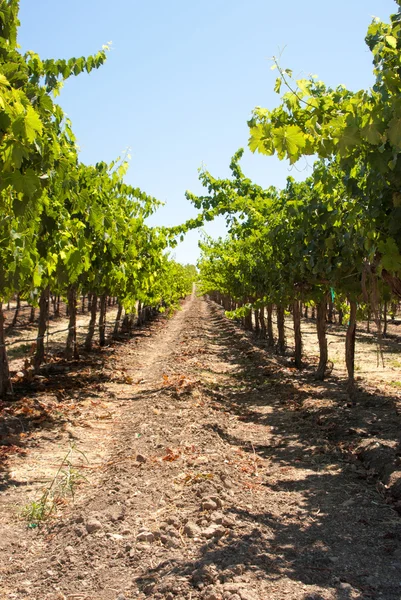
(92, 525)
(115, 536)
(213, 531)
(217, 517)
(145, 536)
(216, 500)
(172, 532)
(80, 530)
(346, 586)
(192, 530)
(212, 596)
(174, 521)
(141, 458)
(209, 505)
(170, 542)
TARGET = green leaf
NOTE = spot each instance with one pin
(289, 141)
(371, 134)
(394, 132)
(17, 154)
(349, 137)
(26, 183)
(37, 279)
(3, 80)
(277, 86)
(33, 125)
(391, 41)
(261, 140)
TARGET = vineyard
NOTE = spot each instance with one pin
(224, 431)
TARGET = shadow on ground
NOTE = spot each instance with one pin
(343, 534)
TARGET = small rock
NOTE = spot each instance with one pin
(170, 542)
(346, 586)
(212, 596)
(116, 513)
(205, 575)
(115, 536)
(217, 500)
(213, 531)
(145, 536)
(209, 505)
(228, 521)
(201, 460)
(93, 525)
(217, 517)
(174, 521)
(172, 532)
(228, 484)
(141, 458)
(80, 530)
(192, 530)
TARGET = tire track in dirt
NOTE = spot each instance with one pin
(216, 487)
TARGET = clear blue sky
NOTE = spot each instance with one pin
(183, 77)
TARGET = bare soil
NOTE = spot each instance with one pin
(215, 471)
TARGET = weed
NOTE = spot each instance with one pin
(62, 485)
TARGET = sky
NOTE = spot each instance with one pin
(183, 76)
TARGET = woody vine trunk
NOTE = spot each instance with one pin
(118, 319)
(71, 350)
(5, 382)
(296, 314)
(102, 320)
(350, 349)
(92, 323)
(42, 325)
(270, 334)
(321, 334)
(281, 330)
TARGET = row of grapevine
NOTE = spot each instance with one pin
(66, 227)
(337, 235)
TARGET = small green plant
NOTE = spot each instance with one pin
(62, 485)
(37, 511)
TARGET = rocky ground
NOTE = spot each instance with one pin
(212, 471)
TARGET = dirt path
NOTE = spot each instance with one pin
(222, 476)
